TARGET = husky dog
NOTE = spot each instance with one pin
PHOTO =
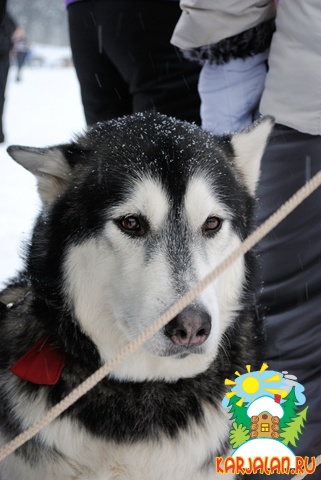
(135, 212)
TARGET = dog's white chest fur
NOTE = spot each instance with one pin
(82, 456)
(180, 459)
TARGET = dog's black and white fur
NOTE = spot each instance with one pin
(135, 213)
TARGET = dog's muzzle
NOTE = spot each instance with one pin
(190, 328)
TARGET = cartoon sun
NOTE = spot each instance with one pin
(253, 385)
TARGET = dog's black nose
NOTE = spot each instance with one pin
(190, 327)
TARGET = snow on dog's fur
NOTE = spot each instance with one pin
(135, 213)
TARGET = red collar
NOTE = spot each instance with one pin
(42, 364)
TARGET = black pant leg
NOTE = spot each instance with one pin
(136, 57)
(158, 76)
(104, 92)
(291, 273)
(4, 69)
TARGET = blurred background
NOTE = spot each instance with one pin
(45, 24)
(42, 108)
(45, 21)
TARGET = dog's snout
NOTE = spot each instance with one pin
(190, 327)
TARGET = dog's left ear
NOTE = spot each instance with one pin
(249, 146)
(49, 166)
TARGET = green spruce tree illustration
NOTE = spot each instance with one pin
(239, 413)
(293, 430)
(238, 435)
(289, 409)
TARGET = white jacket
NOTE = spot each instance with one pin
(205, 22)
(293, 85)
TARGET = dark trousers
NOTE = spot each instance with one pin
(125, 63)
(21, 58)
(291, 271)
(4, 69)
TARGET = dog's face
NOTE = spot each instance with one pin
(136, 212)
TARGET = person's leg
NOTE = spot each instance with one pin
(290, 257)
(104, 92)
(21, 57)
(4, 68)
(159, 78)
(230, 93)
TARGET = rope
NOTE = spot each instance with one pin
(183, 302)
(300, 476)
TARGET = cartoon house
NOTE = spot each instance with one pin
(265, 414)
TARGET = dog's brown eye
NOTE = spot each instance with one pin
(211, 226)
(132, 225)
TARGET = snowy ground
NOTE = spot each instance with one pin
(43, 109)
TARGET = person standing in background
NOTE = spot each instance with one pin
(291, 254)
(20, 50)
(231, 40)
(124, 60)
(7, 29)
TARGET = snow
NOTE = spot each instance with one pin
(265, 404)
(43, 109)
(48, 55)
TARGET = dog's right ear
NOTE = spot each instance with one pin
(49, 166)
(249, 146)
